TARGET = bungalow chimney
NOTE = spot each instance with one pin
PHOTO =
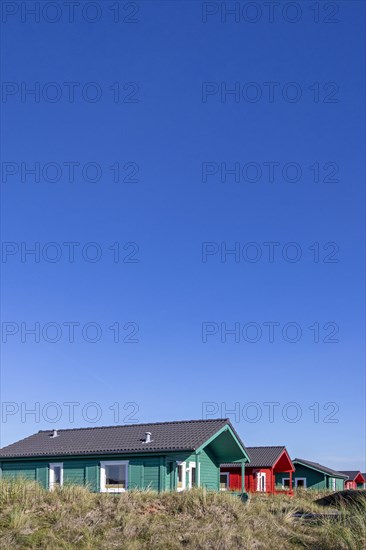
(148, 437)
(54, 433)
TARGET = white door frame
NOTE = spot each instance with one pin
(194, 466)
(227, 474)
(261, 476)
(51, 481)
(300, 479)
(184, 469)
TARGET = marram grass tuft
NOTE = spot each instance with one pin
(74, 518)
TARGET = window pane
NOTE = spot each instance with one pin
(193, 476)
(180, 476)
(115, 476)
(57, 474)
(286, 483)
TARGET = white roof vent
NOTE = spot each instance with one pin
(54, 433)
(148, 437)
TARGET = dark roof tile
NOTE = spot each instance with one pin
(352, 474)
(320, 467)
(166, 436)
(260, 457)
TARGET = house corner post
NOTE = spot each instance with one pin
(162, 470)
(243, 477)
(198, 480)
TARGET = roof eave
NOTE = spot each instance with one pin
(333, 473)
(227, 426)
(96, 453)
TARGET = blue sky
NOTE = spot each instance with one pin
(148, 96)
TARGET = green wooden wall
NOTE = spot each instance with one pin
(315, 480)
(209, 470)
(153, 472)
(339, 484)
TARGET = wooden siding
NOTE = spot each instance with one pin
(74, 472)
(136, 474)
(24, 470)
(170, 470)
(143, 473)
(315, 479)
(151, 472)
(339, 484)
(92, 478)
(251, 479)
(209, 471)
(273, 480)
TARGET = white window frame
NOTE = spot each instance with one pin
(227, 474)
(283, 482)
(184, 470)
(301, 479)
(51, 480)
(103, 464)
(334, 483)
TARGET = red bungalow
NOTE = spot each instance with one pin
(269, 471)
(355, 480)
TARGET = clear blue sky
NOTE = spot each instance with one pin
(166, 123)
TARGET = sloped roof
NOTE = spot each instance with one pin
(352, 474)
(166, 436)
(260, 457)
(264, 456)
(320, 467)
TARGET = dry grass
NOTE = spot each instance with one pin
(74, 518)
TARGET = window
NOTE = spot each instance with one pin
(224, 481)
(56, 475)
(300, 482)
(181, 476)
(113, 476)
(286, 483)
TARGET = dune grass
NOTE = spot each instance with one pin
(74, 518)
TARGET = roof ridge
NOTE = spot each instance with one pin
(135, 424)
(266, 447)
(306, 460)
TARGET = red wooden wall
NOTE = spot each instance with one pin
(250, 479)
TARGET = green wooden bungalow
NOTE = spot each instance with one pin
(311, 475)
(164, 456)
